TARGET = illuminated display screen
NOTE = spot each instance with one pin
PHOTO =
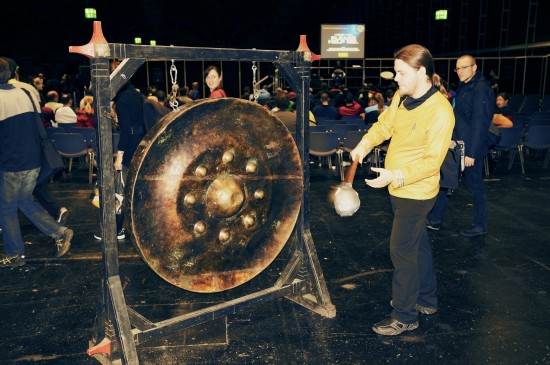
(342, 40)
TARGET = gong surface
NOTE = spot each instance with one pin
(213, 193)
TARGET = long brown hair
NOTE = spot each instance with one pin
(418, 56)
(379, 99)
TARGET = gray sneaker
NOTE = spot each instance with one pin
(63, 243)
(425, 310)
(421, 309)
(392, 327)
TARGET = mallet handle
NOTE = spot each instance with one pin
(350, 174)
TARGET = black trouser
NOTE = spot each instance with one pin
(474, 179)
(473, 175)
(436, 215)
(414, 279)
(44, 196)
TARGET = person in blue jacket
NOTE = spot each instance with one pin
(129, 110)
(474, 107)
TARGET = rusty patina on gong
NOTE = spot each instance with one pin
(213, 194)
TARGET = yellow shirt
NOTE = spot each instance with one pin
(419, 142)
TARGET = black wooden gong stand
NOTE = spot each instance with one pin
(119, 329)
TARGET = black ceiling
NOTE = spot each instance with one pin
(42, 31)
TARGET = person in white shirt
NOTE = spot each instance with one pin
(66, 113)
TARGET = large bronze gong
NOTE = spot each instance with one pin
(213, 194)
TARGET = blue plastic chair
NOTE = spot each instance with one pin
(328, 123)
(531, 104)
(347, 118)
(537, 137)
(358, 122)
(325, 144)
(545, 103)
(516, 101)
(539, 118)
(520, 119)
(352, 139)
(510, 141)
(320, 120)
(67, 126)
(317, 128)
(342, 130)
(73, 145)
(52, 130)
(88, 133)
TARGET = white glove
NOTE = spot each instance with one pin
(386, 177)
(360, 151)
(118, 161)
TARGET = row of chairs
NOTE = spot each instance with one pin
(528, 119)
(529, 103)
(340, 129)
(514, 140)
(328, 123)
(328, 145)
(345, 119)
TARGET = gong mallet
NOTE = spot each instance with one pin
(346, 200)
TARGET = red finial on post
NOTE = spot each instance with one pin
(303, 47)
(89, 50)
(104, 347)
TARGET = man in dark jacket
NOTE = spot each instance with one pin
(473, 114)
(129, 110)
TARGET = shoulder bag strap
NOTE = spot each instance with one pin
(40, 126)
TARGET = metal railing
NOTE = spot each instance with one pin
(517, 74)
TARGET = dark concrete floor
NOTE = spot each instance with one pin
(494, 291)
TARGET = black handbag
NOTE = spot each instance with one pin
(52, 162)
(451, 168)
